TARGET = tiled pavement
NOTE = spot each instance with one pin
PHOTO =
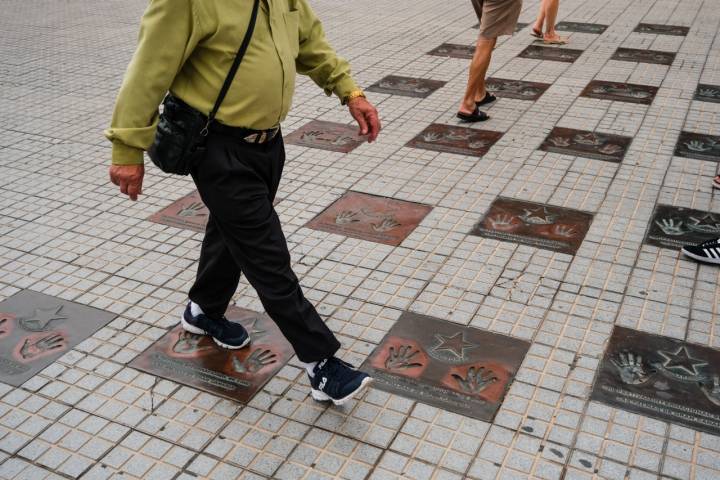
(66, 233)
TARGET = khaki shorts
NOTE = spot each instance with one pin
(497, 17)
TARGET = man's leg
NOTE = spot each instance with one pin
(476, 78)
(237, 182)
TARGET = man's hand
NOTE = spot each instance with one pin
(366, 116)
(129, 178)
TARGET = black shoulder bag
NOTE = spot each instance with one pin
(180, 140)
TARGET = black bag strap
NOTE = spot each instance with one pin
(233, 69)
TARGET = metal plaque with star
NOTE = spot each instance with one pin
(698, 146)
(451, 139)
(196, 361)
(658, 29)
(643, 56)
(406, 86)
(189, 213)
(535, 224)
(661, 377)
(37, 329)
(451, 366)
(453, 50)
(580, 27)
(556, 54)
(620, 92)
(674, 227)
(518, 89)
(584, 143)
(336, 137)
(707, 93)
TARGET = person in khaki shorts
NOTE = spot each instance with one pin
(497, 17)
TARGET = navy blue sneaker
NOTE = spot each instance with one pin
(227, 334)
(337, 381)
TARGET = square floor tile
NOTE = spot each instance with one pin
(461, 369)
(37, 329)
(189, 213)
(542, 226)
(662, 378)
(406, 86)
(370, 217)
(451, 139)
(517, 89)
(620, 92)
(708, 93)
(662, 29)
(673, 227)
(643, 56)
(196, 360)
(454, 50)
(336, 137)
(538, 52)
(698, 146)
(581, 143)
(579, 27)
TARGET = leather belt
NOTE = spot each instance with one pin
(247, 135)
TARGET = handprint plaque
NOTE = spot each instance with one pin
(336, 137)
(453, 50)
(188, 213)
(458, 368)
(582, 143)
(580, 27)
(620, 92)
(673, 227)
(196, 360)
(661, 377)
(698, 146)
(452, 139)
(369, 217)
(517, 89)
(36, 329)
(406, 86)
(643, 56)
(659, 29)
(708, 93)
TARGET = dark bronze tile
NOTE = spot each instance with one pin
(196, 360)
(188, 212)
(675, 227)
(662, 29)
(36, 330)
(581, 27)
(516, 88)
(372, 218)
(451, 139)
(519, 26)
(457, 368)
(538, 52)
(661, 377)
(535, 224)
(336, 137)
(600, 146)
(699, 146)
(454, 51)
(708, 93)
(406, 86)
(643, 56)
(621, 92)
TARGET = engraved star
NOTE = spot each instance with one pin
(455, 344)
(41, 319)
(682, 360)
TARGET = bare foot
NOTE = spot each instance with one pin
(554, 39)
(716, 182)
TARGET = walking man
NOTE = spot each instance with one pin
(186, 47)
(497, 17)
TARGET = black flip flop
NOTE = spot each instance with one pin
(536, 33)
(489, 98)
(476, 116)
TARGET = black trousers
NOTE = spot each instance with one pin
(238, 182)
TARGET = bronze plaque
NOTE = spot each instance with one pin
(699, 146)
(620, 92)
(369, 217)
(188, 212)
(406, 86)
(518, 26)
(661, 377)
(675, 227)
(336, 137)
(517, 89)
(600, 146)
(454, 51)
(196, 361)
(708, 93)
(457, 368)
(451, 139)
(37, 329)
(643, 56)
(538, 52)
(662, 29)
(535, 224)
(580, 27)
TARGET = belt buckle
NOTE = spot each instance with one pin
(262, 136)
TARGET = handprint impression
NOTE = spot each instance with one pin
(345, 217)
(631, 368)
(34, 348)
(255, 362)
(194, 209)
(5, 325)
(477, 380)
(189, 343)
(386, 225)
(403, 357)
(669, 227)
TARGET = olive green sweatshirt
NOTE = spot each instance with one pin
(188, 46)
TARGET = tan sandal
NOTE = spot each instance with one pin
(555, 41)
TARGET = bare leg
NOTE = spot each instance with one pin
(538, 25)
(551, 10)
(476, 78)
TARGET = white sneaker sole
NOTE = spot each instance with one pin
(321, 396)
(199, 331)
(715, 261)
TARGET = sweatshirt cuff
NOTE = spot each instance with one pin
(124, 155)
(345, 87)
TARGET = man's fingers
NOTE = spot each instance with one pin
(374, 124)
(114, 179)
(133, 190)
(362, 123)
(124, 186)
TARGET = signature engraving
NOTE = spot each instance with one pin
(631, 368)
(256, 361)
(42, 318)
(402, 358)
(35, 347)
(476, 380)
